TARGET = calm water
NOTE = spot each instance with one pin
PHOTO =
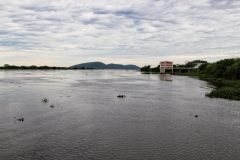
(155, 120)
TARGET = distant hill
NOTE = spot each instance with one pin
(100, 65)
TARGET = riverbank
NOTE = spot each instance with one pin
(227, 89)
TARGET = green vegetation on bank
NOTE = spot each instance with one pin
(225, 92)
(7, 66)
(192, 63)
(149, 69)
(226, 88)
(227, 69)
(225, 74)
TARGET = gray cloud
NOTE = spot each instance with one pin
(141, 32)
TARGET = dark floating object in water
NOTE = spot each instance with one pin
(121, 96)
(19, 119)
(52, 106)
(196, 116)
(45, 100)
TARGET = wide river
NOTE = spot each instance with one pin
(156, 119)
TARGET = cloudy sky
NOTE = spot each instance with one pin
(141, 32)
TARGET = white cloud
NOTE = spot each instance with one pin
(140, 32)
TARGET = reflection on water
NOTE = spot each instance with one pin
(165, 77)
(154, 121)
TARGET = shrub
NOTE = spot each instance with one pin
(225, 92)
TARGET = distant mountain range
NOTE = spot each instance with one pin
(100, 65)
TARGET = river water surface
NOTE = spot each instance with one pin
(156, 119)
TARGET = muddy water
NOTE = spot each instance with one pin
(156, 119)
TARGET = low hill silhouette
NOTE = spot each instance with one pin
(100, 65)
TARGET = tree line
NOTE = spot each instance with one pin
(226, 68)
(7, 66)
(149, 69)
